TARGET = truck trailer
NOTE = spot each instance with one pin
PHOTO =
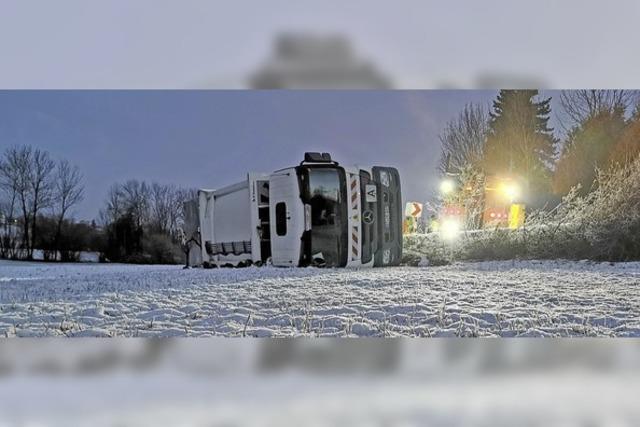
(318, 213)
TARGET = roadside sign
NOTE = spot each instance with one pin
(413, 209)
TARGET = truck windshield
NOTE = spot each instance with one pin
(327, 198)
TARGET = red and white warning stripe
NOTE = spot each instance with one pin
(355, 216)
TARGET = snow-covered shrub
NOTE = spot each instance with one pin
(611, 213)
(429, 246)
(490, 244)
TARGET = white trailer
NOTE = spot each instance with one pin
(316, 213)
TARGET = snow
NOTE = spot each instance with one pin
(498, 298)
(294, 401)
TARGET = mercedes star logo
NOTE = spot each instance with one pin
(367, 217)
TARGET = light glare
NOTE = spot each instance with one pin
(447, 186)
(450, 229)
(511, 190)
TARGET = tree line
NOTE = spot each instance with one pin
(140, 222)
(600, 130)
(38, 193)
(143, 222)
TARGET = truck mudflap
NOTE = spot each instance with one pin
(389, 216)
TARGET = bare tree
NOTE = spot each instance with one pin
(68, 192)
(182, 196)
(166, 207)
(41, 187)
(162, 207)
(580, 105)
(463, 140)
(8, 226)
(159, 207)
(28, 173)
(14, 170)
(114, 206)
(463, 148)
(136, 197)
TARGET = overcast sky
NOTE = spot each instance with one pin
(418, 43)
(208, 139)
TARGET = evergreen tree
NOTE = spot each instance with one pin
(520, 141)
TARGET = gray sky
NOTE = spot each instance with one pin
(419, 43)
(208, 139)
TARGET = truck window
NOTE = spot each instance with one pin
(281, 219)
(328, 222)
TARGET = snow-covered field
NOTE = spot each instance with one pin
(550, 400)
(513, 298)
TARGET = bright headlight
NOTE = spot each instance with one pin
(510, 190)
(450, 229)
(447, 186)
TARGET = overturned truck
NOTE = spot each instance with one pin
(318, 213)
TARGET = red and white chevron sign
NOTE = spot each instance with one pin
(413, 209)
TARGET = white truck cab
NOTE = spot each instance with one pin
(317, 213)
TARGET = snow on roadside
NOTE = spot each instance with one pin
(505, 298)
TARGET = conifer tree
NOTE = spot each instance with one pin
(520, 141)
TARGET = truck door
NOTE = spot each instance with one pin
(286, 218)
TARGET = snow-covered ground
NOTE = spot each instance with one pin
(548, 400)
(513, 298)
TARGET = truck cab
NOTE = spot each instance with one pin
(318, 213)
